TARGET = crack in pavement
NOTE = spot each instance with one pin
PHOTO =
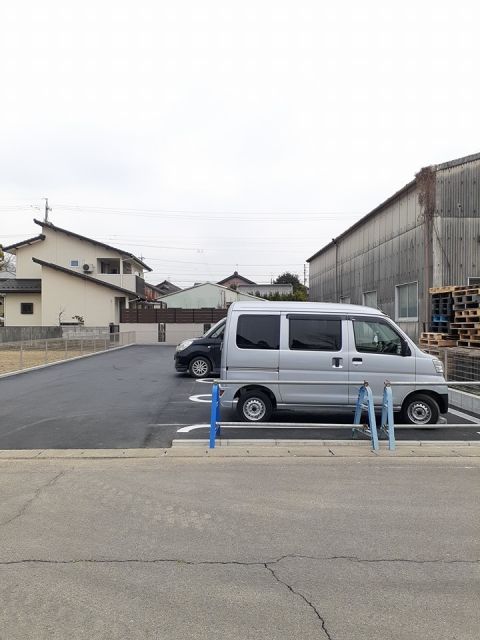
(259, 564)
(31, 500)
(300, 595)
(253, 563)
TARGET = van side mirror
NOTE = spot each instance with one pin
(405, 349)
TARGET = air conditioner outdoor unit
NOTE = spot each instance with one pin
(88, 268)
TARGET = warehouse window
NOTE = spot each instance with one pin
(370, 299)
(406, 301)
(26, 308)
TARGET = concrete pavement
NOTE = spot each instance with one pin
(351, 548)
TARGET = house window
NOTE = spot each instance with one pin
(258, 332)
(74, 263)
(315, 334)
(406, 301)
(370, 299)
(26, 308)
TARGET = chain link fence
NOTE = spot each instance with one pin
(24, 354)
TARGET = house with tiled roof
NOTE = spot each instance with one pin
(63, 277)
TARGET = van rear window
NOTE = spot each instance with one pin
(258, 332)
(315, 334)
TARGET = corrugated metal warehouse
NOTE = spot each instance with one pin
(425, 235)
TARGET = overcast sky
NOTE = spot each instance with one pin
(210, 135)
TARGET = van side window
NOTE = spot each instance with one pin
(312, 334)
(258, 332)
(376, 337)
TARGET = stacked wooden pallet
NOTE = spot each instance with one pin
(438, 339)
(467, 316)
(442, 309)
(441, 333)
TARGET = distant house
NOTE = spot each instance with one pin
(64, 278)
(166, 287)
(204, 296)
(235, 280)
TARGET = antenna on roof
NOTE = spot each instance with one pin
(47, 209)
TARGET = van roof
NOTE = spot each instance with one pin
(306, 307)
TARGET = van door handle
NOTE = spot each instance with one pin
(337, 363)
(357, 360)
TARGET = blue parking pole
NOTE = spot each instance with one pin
(387, 415)
(214, 415)
(371, 418)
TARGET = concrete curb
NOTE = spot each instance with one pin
(463, 400)
(198, 449)
(52, 364)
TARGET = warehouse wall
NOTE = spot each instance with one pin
(383, 251)
(456, 230)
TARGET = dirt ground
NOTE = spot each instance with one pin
(12, 359)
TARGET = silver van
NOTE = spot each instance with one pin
(308, 341)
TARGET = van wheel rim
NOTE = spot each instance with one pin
(419, 412)
(254, 409)
(199, 368)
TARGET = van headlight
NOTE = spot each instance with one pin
(183, 345)
(438, 366)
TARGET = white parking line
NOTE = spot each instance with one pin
(192, 427)
(465, 416)
(200, 398)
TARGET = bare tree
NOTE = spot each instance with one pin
(7, 262)
(61, 311)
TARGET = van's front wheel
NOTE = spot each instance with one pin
(254, 406)
(420, 409)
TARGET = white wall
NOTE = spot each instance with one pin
(95, 303)
(60, 249)
(13, 317)
(146, 333)
(176, 332)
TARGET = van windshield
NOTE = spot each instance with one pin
(216, 331)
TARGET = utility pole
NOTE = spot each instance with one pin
(47, 209)
(305, 275)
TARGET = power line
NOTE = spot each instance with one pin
(204, 212)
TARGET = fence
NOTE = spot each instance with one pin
(364, 403)
(15, 356)
(386, 427)
(190, 316)
(15, 334)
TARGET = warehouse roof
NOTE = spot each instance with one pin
(436, 167)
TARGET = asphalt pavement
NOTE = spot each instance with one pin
(244, 549)
(133, 398)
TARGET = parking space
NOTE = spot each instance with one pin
(132, 398)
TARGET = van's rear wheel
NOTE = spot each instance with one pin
(420, 409)
(254, 406)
